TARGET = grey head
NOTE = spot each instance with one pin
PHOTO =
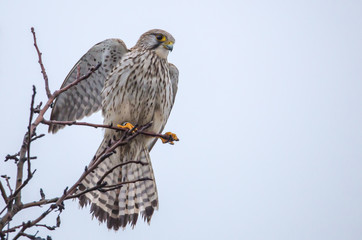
(158, 40)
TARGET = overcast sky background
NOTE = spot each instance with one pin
(269, 113)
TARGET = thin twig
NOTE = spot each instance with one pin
(12, 229)
(54, 200)
(42, 195)
(46, 226)
(32, 223)
(20, 166)
(118, 185)
(12, 157)
(97, 187)
(3, 193)
(70, 123)
(8, 183)
(23, 184)
(76, 195)
(17, 192)
(40, 61)
(40, 203)
(37, 137)
(30, 136)
(31, 237)
(119, 165)
(37, 108)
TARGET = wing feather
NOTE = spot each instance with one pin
(174, 73)
(85, 98)
(174, 79)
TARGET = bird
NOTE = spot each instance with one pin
(132, 87)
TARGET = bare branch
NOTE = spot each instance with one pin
(17, 192)
(37, 137)
(30, 136)
(3, 193)
(98, 187)
(45, 76)
(42, 195)
(7, 183)
(32, 237)
(23, 184)
(119, 185)
(119, 165)
(70, 123)
(20, 166)
(37, 108)
(51, 228)
(12, 157)
(34, 222)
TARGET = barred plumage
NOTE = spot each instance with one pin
(139, 89)
(85, 98)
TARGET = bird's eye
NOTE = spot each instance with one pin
(160, 37)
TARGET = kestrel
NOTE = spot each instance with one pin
(134, 86)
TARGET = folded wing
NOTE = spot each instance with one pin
(174, 80)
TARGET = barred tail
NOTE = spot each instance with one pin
(121, 206)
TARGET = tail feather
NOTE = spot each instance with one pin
(122, 206)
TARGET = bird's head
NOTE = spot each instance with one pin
(158, 40)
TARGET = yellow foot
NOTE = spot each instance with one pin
(128, 126)
(171, 137)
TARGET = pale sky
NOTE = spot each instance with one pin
(269, 113)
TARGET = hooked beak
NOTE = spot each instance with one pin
(168, 45)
